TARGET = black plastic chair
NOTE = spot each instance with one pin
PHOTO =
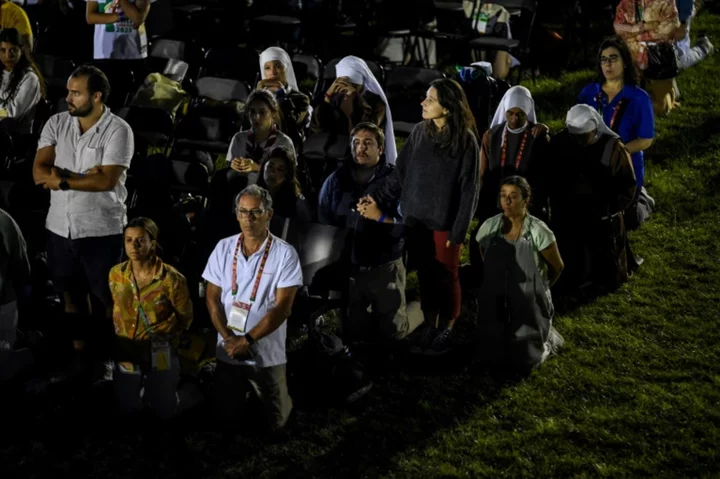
(213, 117)
(152, 128)
(405, 88)
(237, 63)
(523, 14)
(308, 72)
(55, 71)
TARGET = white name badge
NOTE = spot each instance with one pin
(160, 355)
(238, 316)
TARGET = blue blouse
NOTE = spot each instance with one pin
(638, 120)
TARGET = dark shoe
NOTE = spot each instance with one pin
(425, 339)
(441, 345)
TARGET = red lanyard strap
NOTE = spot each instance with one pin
(503, 155)
(260, 269)
(601, 107)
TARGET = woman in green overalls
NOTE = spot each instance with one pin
(522, 261)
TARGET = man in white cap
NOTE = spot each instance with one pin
(592, 182)
(355, 97)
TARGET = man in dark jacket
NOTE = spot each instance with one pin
(377, 309)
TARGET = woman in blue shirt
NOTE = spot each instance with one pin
(625, 107)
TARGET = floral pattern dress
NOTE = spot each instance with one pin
(640, 22)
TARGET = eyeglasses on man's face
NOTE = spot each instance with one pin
(255, 212)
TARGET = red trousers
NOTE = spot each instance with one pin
(438, 271)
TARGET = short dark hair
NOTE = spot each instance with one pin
(630, 76)
(97, 81)
(521, 184)
(372, 128)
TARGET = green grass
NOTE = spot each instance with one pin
(634, 393)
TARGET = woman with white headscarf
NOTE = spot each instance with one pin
(592, 183)
(515, 144)
(278, 76)
(355, 97)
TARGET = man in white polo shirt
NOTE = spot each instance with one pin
(252, 280)
(82, 158)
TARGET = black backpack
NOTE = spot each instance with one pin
(483, 93)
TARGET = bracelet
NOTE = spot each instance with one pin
(249, 339)
(382, 218)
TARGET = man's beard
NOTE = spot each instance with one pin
(81, 112)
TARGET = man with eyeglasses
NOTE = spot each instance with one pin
(377, 310)
(252, 280)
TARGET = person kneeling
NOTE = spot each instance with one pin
(377, 307)
(522, 261)
(252, 280)
(151, 307)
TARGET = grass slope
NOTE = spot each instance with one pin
(635, 392)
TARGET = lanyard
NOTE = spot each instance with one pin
(255, 151)
(141, 310)
(260, 269)
(503, 155)
(601, 107)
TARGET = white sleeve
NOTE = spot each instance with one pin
(291, 273)
(120, 147)
(26, 96)
(49, 134)
(215, 269)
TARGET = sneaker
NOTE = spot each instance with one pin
(425, 339)
(555, 341)
(442, 343)
(707, 47)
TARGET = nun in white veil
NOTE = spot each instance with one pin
(276, 66)
(583, 119)
(278, 76)
(515, 144)
(361, 90)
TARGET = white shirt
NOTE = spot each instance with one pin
(282, 270)
(238, 147)
(121, 40)
(82, 214)
(23, 103)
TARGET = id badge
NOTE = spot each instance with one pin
(160, 355)
(238, 316)
(482, 23)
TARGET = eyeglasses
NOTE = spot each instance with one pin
(365, 143)
(254, 212)
(609, 60)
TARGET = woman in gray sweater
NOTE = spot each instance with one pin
(437, 178)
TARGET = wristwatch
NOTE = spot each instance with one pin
(64, 185)
(249, 339)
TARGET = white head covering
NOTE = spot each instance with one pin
(515, 97)
(358, 72)
(280, 55)
(583, 119)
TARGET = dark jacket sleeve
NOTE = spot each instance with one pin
(323, 118)
(326, 202)
(469, 184)
(17, 263)
(624, 175)
(391, 190)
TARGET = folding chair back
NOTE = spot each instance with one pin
(406, 88)
(237, 63)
